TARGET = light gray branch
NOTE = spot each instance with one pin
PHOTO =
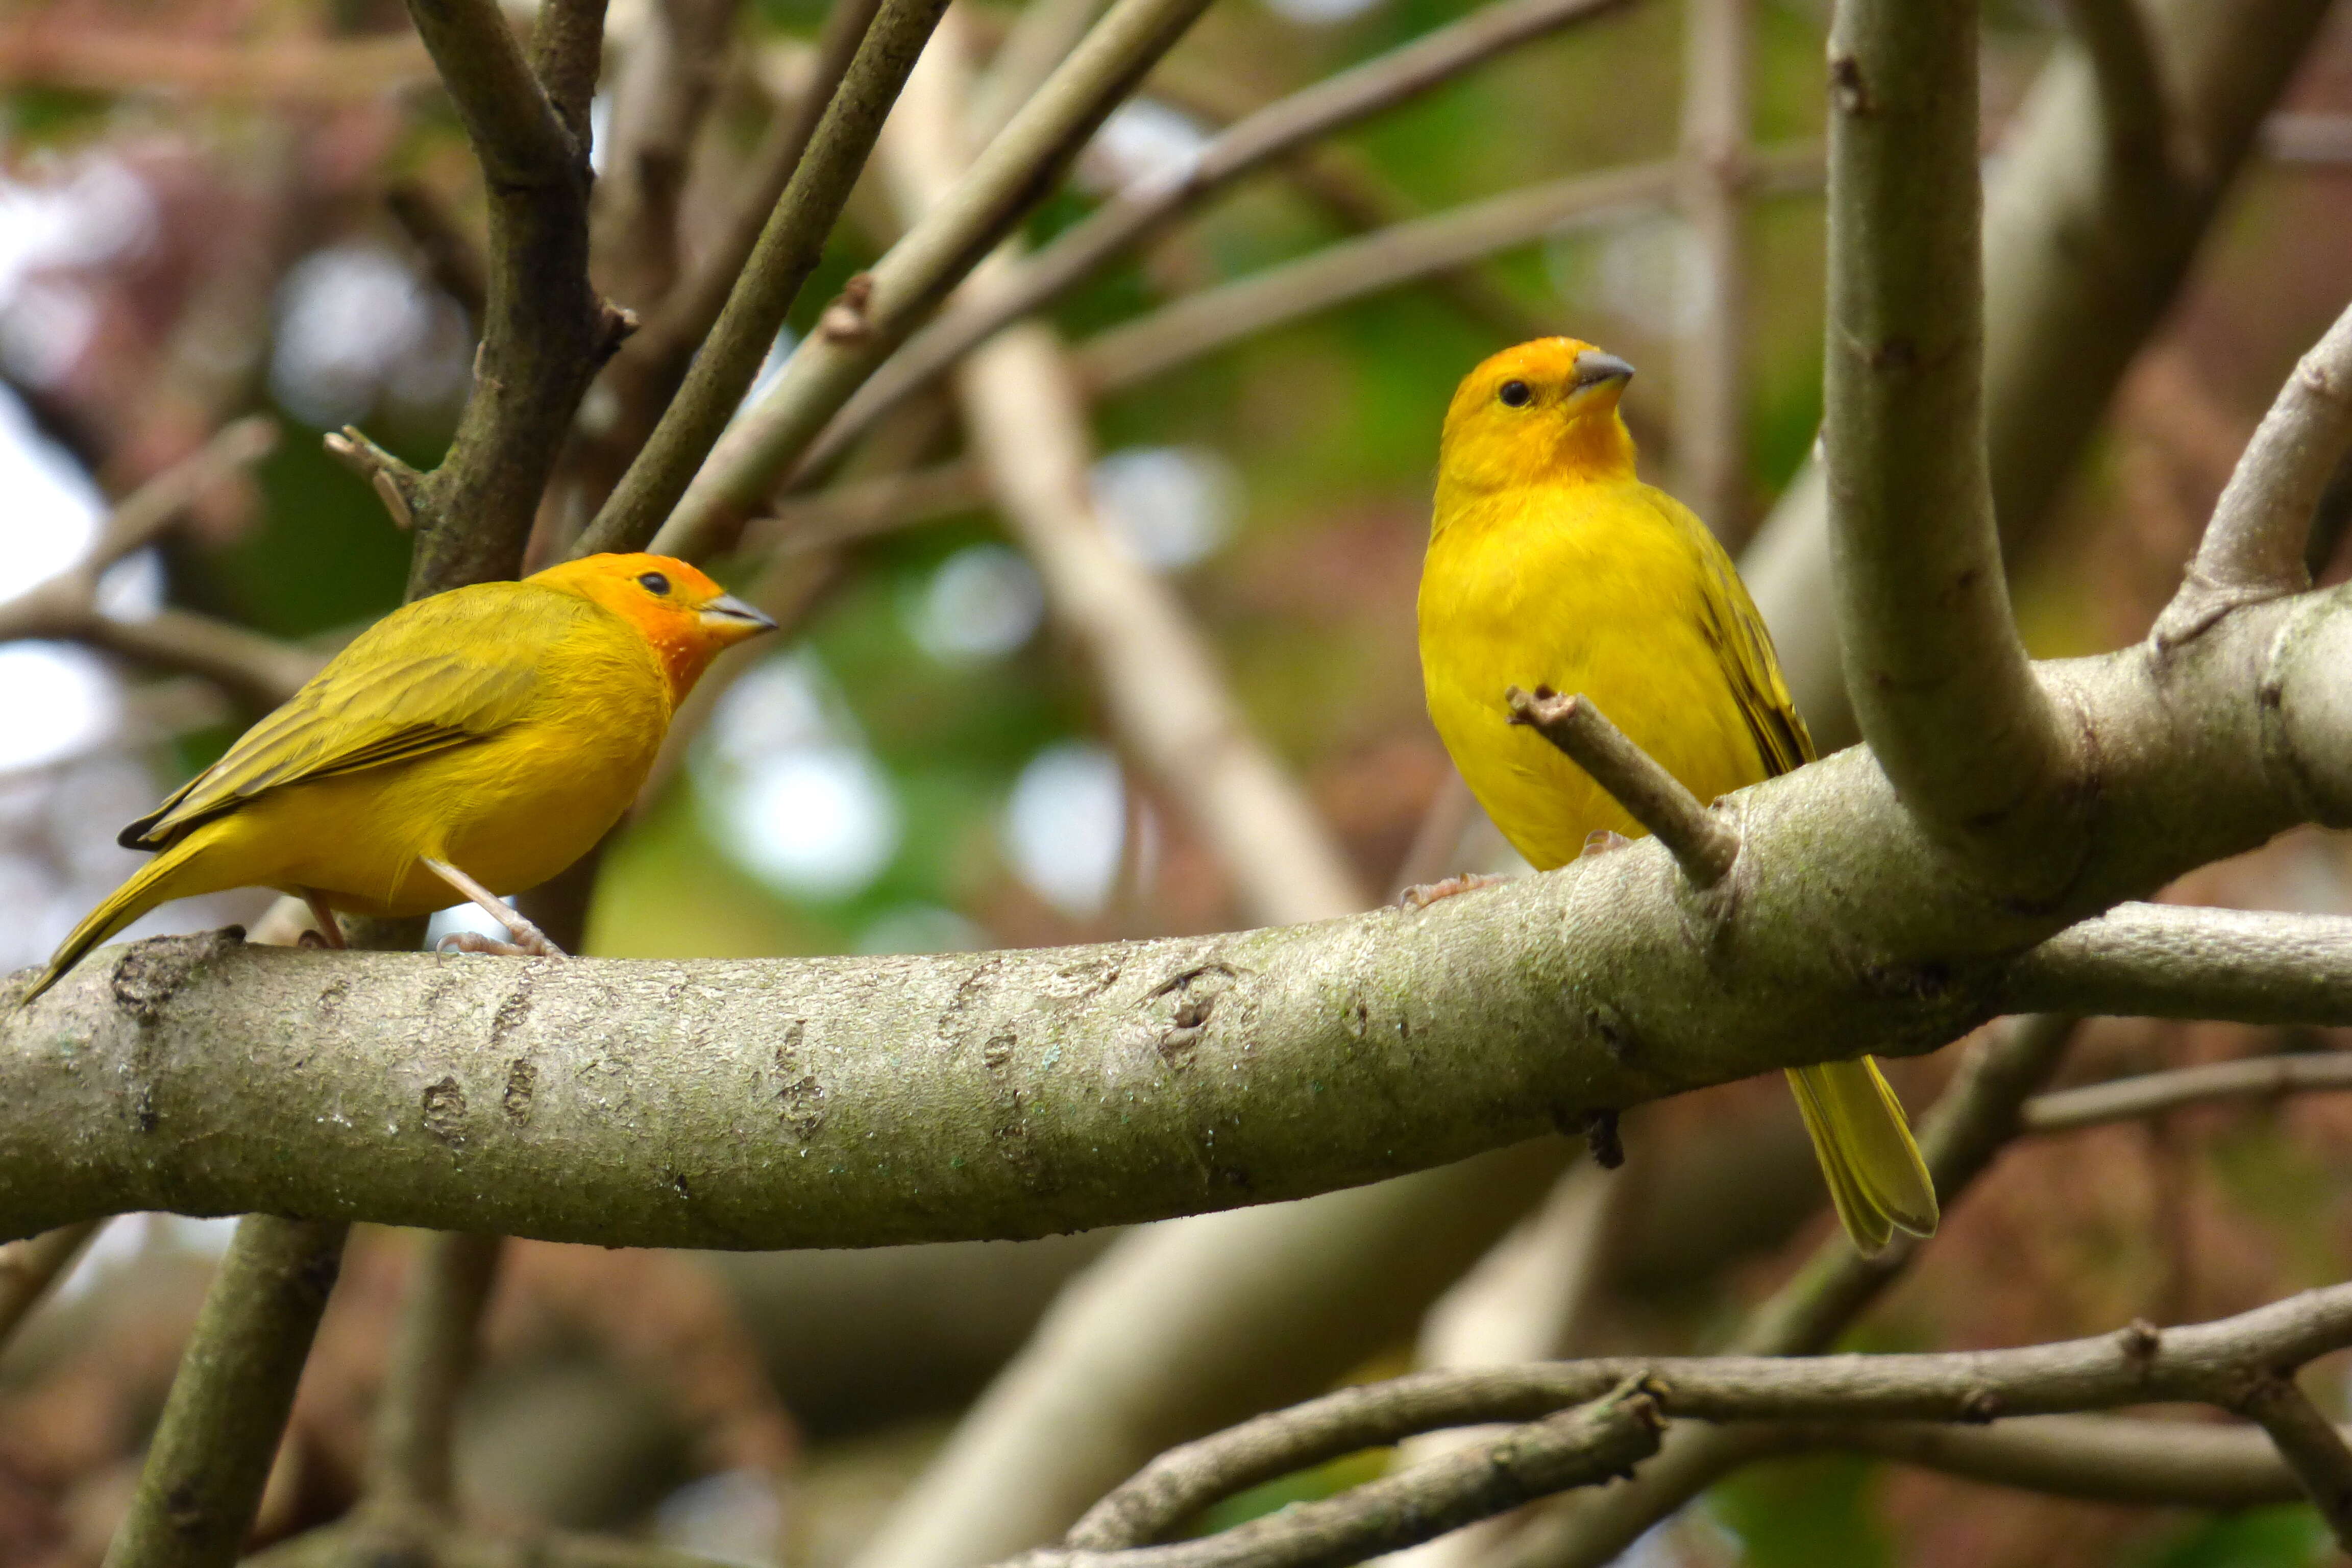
(1938, 677)
(2311, 1445)
(2254, 547)
(853, 1101)
(1702, 843)
(2098, 1459)
(2174, 961)
(2084, 255)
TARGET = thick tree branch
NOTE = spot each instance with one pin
(2172, 961)
(1939, 678)
(1009, 176)
(2084, 254)
(1702, 843)
(2254, 547)
(544, 329)
(2151, 1094)
(2133, 107)
(1280, 129)
(219, 1431)
(789, 247)
(1061, 1090)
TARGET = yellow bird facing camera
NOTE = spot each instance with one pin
(1550, 563)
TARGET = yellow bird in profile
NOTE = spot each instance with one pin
(1551, 564)
(467, 746)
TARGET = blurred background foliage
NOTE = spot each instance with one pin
(187, 235)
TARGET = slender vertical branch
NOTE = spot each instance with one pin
(2309, 1443)
(1710, 445)
(789, 247)
(220, 1427)
(1939, 678)
(431, 1357)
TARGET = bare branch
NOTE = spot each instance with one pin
(1702, 843)
(1575, 1449)
(1010, 176)
(141, 516)
(257, 670)
(219, 1431)
(2083, 256)
(1141, 211)
(1710, 415)
(2254, 547)
(1958, 1138)
(789, 247)
(2208, 1363)
(654, 361)
(1940, 680)
(28, 1267)
(2173, 961)
(431, 1358)
(544, 331)
(2100, 1458)
(864, 507)
(2311, 1445)
(2151, 1094)
(43, 47)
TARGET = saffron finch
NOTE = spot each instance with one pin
(474, 743)
(1551, 564)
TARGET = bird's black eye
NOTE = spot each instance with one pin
(1516, 394)
(654, 582)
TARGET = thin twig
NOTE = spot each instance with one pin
(1578, 1448)
(1703, 844)
(2254, 547)
(1940, 681)
(1009, 176)
(28, 1267)
(1710, 418)
(220, 1427)
(1142, 209)
(2206, 1362)
(2178, 961)
(2151, 1094)
(431, 1357)
(2309, 1443)
(881, 505)
(789, 247)
(2098, 1459)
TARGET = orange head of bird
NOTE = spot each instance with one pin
(685, 617)
(1545, 410)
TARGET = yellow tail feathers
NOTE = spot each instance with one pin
(153, 884)
(1876, 1176)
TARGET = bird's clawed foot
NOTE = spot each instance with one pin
(531, 943)
(1601, 841)
(1428, 893)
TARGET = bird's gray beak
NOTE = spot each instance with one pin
(727, 612)
(1594, 368)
